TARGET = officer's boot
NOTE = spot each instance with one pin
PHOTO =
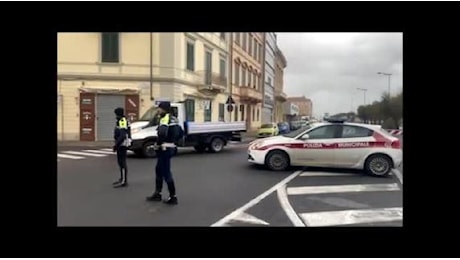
(119, 179)
(156, 196)
(124, 179)
(172, 200)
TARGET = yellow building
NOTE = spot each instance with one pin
(247, 71)
(280, 96)
(100, 71)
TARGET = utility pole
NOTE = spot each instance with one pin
(364, 91)
(389, 80)
(230, 76)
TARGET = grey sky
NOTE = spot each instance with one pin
(329, 67)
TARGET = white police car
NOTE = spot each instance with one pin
(334, 144)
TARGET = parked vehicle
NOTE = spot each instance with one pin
(212, 136)
(283, 127)
(267, 130)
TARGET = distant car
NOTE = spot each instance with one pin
(330, 144)
(267, 130)
(283, 128)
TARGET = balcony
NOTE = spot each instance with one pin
(211, 82)
(250, 95)
(280, 96)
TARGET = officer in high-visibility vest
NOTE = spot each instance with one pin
(168, 132)
(122, 136)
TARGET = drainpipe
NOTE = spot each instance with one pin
(151, 67)
(62, 110)
(264, 42)
(230, 70)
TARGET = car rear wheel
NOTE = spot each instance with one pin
(216, 145)
(379, 165)
(277, 161)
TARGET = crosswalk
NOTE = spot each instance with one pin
(85, 154)
(324, 199)
(340, 199)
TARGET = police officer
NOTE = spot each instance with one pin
(122, 136)
(168, 132)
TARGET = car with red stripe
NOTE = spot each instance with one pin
(331, 144)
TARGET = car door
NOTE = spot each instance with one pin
(318, 149)
(353, 145)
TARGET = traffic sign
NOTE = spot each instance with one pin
(230, 100)
(229, 108)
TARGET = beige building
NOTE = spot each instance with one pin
(305, 105)
(100, 71)
(280, 96)
(247, 56)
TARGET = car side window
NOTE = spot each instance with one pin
(355, 131)
(324, 132)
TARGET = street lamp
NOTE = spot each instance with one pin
(364, 91)
(389, 79)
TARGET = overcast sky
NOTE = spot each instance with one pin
(329, 67)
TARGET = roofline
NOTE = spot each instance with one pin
(282, 57)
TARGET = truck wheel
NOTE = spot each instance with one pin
(277, 161)
(216, 145)
(148, 149)
(200, 148)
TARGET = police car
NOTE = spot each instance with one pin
(332, 144)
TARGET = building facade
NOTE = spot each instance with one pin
(269, 75)
(100, 71)
(247, 81)
(290, 111)
(280, 96)
(305, 105)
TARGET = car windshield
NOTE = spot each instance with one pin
(298, 131)
(149, 114)
(267, 126)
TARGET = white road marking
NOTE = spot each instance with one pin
(320, 174)
(398, 175)
(341, 188)
(244, 217)
(107, 149)
(60, 155)
(286, 206)
(99, 151)
(85, 154)
(347, 217)
(254, 201)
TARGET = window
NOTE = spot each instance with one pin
(110, 48)
(258, 114)
(222, 69)
(324, 132)
(260, 83)
(260, 52)
(254, 80)
(250, 45)
(243, 77)
(208, 111)
(236, 112)
(355, 131)
(222, 35)
(208, 67)
(253, 114)
(269, 81)
(256, 47)
(221, 112)
(245, 41)
(190, 56)
(189, 110)
(238, 38)
(237, 74)
(242, 112)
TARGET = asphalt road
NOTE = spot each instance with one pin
(220, 190)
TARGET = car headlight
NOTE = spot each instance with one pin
(135, 130)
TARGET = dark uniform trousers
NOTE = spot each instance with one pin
(163, 170)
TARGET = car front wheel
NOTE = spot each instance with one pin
(378, 165)
(277, 161)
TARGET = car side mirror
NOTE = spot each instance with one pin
(305, 137)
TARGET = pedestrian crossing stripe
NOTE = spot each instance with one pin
(67, 156)
(304, 190)
(85, 154)
(99, 151)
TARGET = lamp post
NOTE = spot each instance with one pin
(364, 91)
(389, 80)
(151, 67)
